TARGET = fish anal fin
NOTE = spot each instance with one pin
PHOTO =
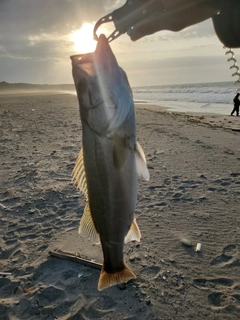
(87, 227)
(107, 280)
(134, 233)
(78, 174)
(141, 163)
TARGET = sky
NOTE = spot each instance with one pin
(38, 36)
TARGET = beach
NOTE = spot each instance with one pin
(192, 198)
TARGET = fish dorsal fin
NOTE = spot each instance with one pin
(134, 233)
(78, 174)
(87, 227)
(141, 162)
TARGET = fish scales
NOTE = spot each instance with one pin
(110, 159)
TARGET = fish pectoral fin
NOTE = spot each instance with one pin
(141, 162)
(134, 233)
(79, 175)
(107, 280)
(87, 227)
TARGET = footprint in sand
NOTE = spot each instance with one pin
(219, 299)
(213, 283)
(229, 257)
(224, 293)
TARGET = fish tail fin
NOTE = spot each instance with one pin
(107, 280)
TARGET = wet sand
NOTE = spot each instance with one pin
(193, 194)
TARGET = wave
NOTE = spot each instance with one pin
(208, 93)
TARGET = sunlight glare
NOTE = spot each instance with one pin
(83, 39)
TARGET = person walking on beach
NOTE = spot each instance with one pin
(236, 105)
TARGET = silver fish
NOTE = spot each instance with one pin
(107, 166)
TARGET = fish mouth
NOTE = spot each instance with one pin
(88, 57)
(81, 58)
(82, 65)
(102, 48)
(77, 56)
(88, 62)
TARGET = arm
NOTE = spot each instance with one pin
(144, 17)
(174, 15)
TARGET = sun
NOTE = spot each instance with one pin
(83, 39)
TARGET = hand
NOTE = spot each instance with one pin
(175, 15)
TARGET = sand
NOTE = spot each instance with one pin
(193, 194)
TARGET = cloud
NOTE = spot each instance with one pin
(33, 16)
(35, 44)
(185, 64)
(201, 30)
(27, 23)
(186, 69)
(34, 39)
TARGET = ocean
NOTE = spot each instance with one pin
(215, 97)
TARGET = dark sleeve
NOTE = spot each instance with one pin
(227, 23)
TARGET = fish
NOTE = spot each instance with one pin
(110, 160)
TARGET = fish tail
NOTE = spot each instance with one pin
(107, 280)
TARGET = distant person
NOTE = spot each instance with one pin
(236, 105)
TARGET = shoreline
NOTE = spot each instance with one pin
(211, 119)
(137, 102)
